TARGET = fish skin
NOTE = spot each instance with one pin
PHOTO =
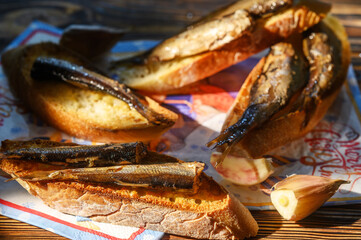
(321, 60)
(171, 175)
(74, 154)
(217, 29)
(319, 55)
(321, 48)
(7, 144)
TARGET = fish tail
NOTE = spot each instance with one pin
(218, 141)
(237, 131)
(224, 155)
(229, 140)
(309, 108)
(11, 179)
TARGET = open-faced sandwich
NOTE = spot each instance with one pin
(128, 185)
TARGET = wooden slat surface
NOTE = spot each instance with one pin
(157, 20)
(12, 229)
(341, 222)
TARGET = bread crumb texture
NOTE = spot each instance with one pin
(95, 108)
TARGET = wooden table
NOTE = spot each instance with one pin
(149, 20)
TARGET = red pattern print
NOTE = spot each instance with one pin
(334, 149)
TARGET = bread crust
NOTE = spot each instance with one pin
(79, 112)
(209, 214)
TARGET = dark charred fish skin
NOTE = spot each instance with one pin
(170, 175)
(11, 144)
(47, 68)
(319, 55)
(75, 155)
(280, 79)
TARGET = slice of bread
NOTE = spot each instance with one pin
(211, 213)
(77, 111)
(165, 76)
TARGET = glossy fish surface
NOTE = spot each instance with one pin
(172, 175)
(73, 154)
(260, 121)
(322, 49)
(319, 55)
(217, 29)
(280, 79)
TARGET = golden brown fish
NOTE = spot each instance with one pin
(217, 29)
(170, 175)
(327, 56)
(281, 77)
(321, 54)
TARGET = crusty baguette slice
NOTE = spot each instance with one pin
(183, 69)
(211, 213)
(291, 123)
(77, 111)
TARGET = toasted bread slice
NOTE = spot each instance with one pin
(77, 111)
(211, 213)
(173, 64)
